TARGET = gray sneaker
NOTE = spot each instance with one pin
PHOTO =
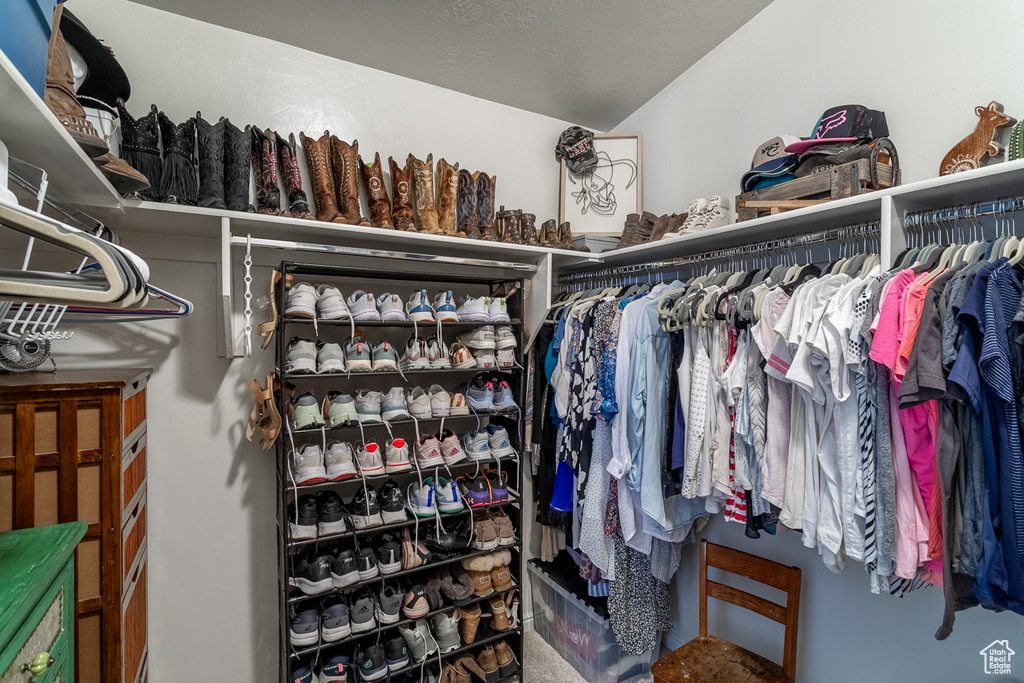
(446, 628)
(368, 406)
(304, 629)
(305, 412)
(334, 620)
(421, 643)
(390, 603)
(300, 356)
(362, 613)
(384, 358)
(339, 410)
(329, 358)
(393, 405)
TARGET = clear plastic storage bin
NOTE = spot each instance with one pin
(580, 635)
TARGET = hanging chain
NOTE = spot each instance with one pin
(248, 296)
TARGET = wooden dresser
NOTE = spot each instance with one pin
(73, 447)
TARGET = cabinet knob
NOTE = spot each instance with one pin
(39, 665)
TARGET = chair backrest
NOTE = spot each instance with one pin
(764, 571)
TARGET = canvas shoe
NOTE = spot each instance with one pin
(504, 337)
(503, 401)
(393, 405)
(440, 401)
(485, 359)
(480, 338)
(480, 395)
(396, 654)
(446, 495)
(418, 403)
(344, 570)
(498, 442)
(458, 405)
(497, 310)
(334, 623)
(371, 664)
(451, 449)
(506, 358)
(339, 409)
(311, 573)
(368, 459)
(329, 358)
(474, 309)
(428, 451)
(418, 307)
(390, 308)
(364, 509)
(330, 512)
(308, 465)
(384, 358)
(396, 456)
(461, 357)
(302, 518)
(389, 552)
(437, 354)
(446, 630)
(368, 406)
(444, 307)
(363, 306)
(362, 615)
(415, 356)
(330, 303)
(305, 412)
(419, 640)
(421, 499)
(716, 215)
(335, 670)
(389, 602)
(476, 445)
(392, 505)
(300, 356)
(301, 301)
(357, 355)
(366, 561)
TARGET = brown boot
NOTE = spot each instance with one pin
(447, 198)
(629, 231)
(499, 613)
(423, 190)
(661, 226)
(470, 664)
(488, 662)
(467, 205)
(469, 622)
(123, 177)
(528, 229)
(512, 234)
(380, 205)
(549, 234)
(401, 196)
(645, 228)
(318, 159)
(565, 237)
(344, 158)
(485, 205)
(298, 205)
(506, 659)
(60, 97)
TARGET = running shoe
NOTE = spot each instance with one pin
(335, 669)
(444, 307)
(331, 513)
(311, 573)
(418, 403)
(474, 309)
(476, 445)
(392, 504)
(390, 307)
(329, 358)
(497, 310)
(428, 451)
(369, 460)
(363, 306)
(506, 359)
(389, 601)
(364, 509)
(301, 301)
(384, 358)
(302, 518)
(418, 307)
(393, 405)
(330, 303)
(459, 405)
(447, 497)
(504, 337)
(421, 499)
(300, 356)
(308, 465)
(415, 356)
(437, 355)
(357, 355)
(440, 401)
(485, 359)
(339, 410)
(461, 357)
(368, 406)
(480, 338)
(503, 401)
(305, 412)
(498, 442)
(451, 449)
(480, 395)
(396, 456)
(334, 623)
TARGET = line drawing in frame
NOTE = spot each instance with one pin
(598, 200)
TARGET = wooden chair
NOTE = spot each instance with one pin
(707, 659)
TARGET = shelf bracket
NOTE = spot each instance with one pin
(224, 273)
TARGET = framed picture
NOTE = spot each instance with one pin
(598, 200)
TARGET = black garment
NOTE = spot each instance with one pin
(545, 433)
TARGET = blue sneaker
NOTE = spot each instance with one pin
(418, 307)
(444, 307)
(302, 674)
(503, 401)
(335, 670)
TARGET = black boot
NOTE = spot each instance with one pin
(178, 183)
(237, 156)
(140, 147)
(264, 170)
(211, 163)
(298, 205)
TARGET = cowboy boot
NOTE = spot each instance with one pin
(528, 229)
(264, 169)
(318, 159)
(211, 163)
(629, 231)
(298, 205)
(467, 205)
(140, 147)
(401, 194)
(380, 205)
(485, 205)
(447, 198)
(59, 94)
(178, 182)
(237, 156)
(549, 234)
(511, 234)
(565, 237)
(423, 187)
(344, 158)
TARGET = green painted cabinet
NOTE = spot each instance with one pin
(37, 603)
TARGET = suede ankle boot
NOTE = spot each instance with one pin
(140, 147)
(470, 664)
(264, 169)
(401, 196)
(661, 226)
(488, 662)
(60, 97)
(565, 237)
(211, 163)
(318, 159)
(468, 223)
(380, 205)
(506, 659)
(549, 234)
(298, 205)
(178, 181)
(528, 229)
(237, 157)
(423, 190)
(344, 159)
(485, 205)
(644, 228)
(510, 229)
(629, 229)
(447, 179)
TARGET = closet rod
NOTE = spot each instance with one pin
(237, 241)
(960, 211)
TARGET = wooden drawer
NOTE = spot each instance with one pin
(133, 539)
(133, 622)
(45, 630)
(62, 668)
(133, 409)
(133, 473)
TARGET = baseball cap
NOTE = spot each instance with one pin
(847, 123)
(770, 161)
(576, 146)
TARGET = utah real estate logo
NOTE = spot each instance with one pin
(997, 657)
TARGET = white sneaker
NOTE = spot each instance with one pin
(396, 456)
(301, 301)
(461, 357)
(330, 303)
(717, 214)
(368, 406)
(444, 307)
(505, 338)
(393, 405)
(418, 403)
(440, 401)
(485, 358)
(339, 461)
(428, 451)
(497, 310)
(480, 338)
(694, 215)
(362, 306)
(451, 449)
(418, 307)
(474, 309)
(475, 445)
(437, 355)
(300, 356)
(459, 405)
(308, 465)
(421, 499)
(506, 358)
(368, 458)
(498, 442)
(448, 497)
(329, 358)
(390, 307)
(415, 356)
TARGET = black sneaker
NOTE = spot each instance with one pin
(331, 512)
(366, 561)
(302, 522)
(371, 663)
(396, 656)
(392, 502)
(344, 570)
(389, 554)
(311, 574)
(364, 509)
(475, 490)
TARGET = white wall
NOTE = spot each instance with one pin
(212, 548)
(776, 75)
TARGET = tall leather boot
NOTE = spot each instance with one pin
(140, 147)
(447, 198)
(511, 234)
(401, 195)
(237, 156)
(178, 182)
(549, 234)
(211, 163)
(380, 205)
(467, 205)
(485, 205)
(264, 170)
(298, 205)
(528, 229)
(344, 158)
(423, 189)
(565, 237)
(318, 159)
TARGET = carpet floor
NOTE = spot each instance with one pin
(543, 665)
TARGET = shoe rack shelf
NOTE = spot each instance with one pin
(348, 279)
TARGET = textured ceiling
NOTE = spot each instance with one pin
(590, 62)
